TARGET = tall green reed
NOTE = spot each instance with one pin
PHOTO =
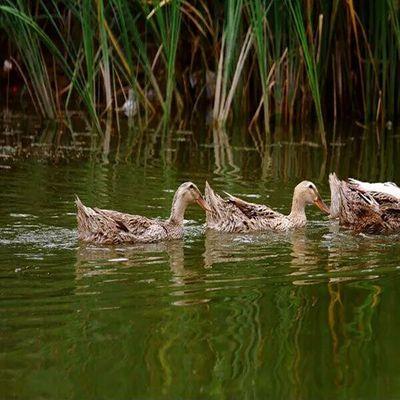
(258, 20)
(37, 77)
(309, 54)
(296, 61)
(231, 61)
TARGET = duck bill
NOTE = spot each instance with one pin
(203, 204)
(322, 206)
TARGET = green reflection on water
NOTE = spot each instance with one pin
(308, 314)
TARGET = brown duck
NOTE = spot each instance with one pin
(112, 227)
(237, 215)
(365, 207)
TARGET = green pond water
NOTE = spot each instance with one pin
(311, 314)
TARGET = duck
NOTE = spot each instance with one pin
(100, 226)
(389, 188)
(236, 215)
(365, 207)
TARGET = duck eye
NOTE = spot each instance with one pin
(310, 186)
(191, 186)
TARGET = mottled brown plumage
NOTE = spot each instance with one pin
(237, 215)
(112, 227)
(362, 210)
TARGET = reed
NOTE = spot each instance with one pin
(230, 63)
(36, 74)
(309, 55)
(258, 10)
(290, 62)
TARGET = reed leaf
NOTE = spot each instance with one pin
(181, 58)
(308, 52)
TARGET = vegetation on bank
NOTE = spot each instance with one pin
(177, 61)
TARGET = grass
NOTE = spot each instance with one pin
(266, 63)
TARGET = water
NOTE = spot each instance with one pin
(307, 314)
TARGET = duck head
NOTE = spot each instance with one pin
(189, 193)
(307, 193)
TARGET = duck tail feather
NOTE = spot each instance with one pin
(334, 184)
(83, 215)
(78, 202)
(216, 203)
(213, 199)
(354, 181)
(230, 197)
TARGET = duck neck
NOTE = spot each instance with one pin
(298, 212)
(177, 210)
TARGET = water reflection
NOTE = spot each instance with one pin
(223, 154)
(366, 254)
(89, 256)
(247, 156)
(224, 247)
(184, 283)
(306, 314)
(307, 259)
(351, 329)
(259, 328)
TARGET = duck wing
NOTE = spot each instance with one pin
(391, 217)
(384, 199)
(365, 207)
(237, 215)
(112, 227)
(387, 201)
(359, 210)
(252, 210)
(134, 224)
(386, 188)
